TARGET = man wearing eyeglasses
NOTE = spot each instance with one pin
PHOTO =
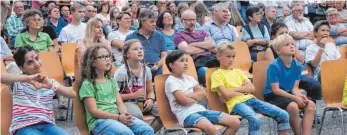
(338, 31)
(300, 28)
(219, 29)
(90, 12)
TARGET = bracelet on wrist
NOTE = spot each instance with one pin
(55, 85)
(150, 98)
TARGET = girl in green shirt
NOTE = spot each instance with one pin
(105, 110)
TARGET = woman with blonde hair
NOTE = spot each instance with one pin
(93, 34)
(235, 16)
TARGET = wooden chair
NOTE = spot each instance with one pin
(79, 113)
(3, 67)
(243, 57)
(67, 58)
(51, 66)
(239, 33)
(6, 110)
(333, 74)
(261, 56)
(259, 78)
(343, 51)
(168, 119)
(191, 68)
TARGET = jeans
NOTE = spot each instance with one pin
(248, 111)
(41, 129)
(114, 127)
(312, 87)
(201, 75)
(213, 116)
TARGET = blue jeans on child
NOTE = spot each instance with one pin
(114, 127)
(248, 111)
(41, 129)
(213, 116)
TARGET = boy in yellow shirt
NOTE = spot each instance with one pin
(234, 88)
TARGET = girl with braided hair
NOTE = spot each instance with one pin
(135, 81)
(105, 110)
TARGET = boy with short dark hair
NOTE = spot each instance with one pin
(322, 50)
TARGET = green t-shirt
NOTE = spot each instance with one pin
(104, 95)
(40, 44)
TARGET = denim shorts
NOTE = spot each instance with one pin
(213, 116)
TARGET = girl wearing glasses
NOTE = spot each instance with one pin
(105, 110)
(135, 81)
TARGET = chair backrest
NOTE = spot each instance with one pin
(191, 68)
(243, 58)
(238, 28)
(212, 97)
(259, 78)
(79, 113)
(343, 51)
(167, 117)
(333, 74)
(67, 57)
(261, 56)
(3, 67)
(51, 66)
(6, 111)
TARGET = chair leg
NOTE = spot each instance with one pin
(68, 108)
(342, 125)
(72, 108)
(316, 119)
(322, 123)
(270, 122)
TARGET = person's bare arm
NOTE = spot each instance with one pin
(298, 56)
(299, 35)
(191, 50)
(9, 78)
(228, 94)
(207, 44)
(162, 55)
(56, 45)
(256, 42)
(342, 20)
(182, 99)
(198, 94)
(66, 91)
(278, 91)
(117, 43)
(247, 87)
(120, 104)
(51, 49)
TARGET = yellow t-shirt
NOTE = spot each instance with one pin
(230, 79)
(344, 98)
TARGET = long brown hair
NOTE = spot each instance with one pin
(88, 69)
(89, 35)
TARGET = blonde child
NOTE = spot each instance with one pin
(282, 85)
(32, 96)
(135, 81)
(234, 88)
(105, 111)
(183, 93)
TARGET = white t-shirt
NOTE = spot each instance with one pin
(72, 34)
(185, 86)
(104, 19)
(117, 35)
(330, 53)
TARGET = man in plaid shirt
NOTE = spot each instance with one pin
(14, 24)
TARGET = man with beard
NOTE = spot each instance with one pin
(196, 43)
(300, 28)
(219, 29)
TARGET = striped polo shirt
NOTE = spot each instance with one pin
(30, 106)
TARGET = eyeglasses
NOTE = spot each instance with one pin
(91, 11)
(299, 10)
(333, 15)
(190, 20)
(167, 17)
(104, 57)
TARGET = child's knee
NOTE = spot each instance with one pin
(255, 120)
(205, 125)
(293, 108)
(282, 116)
(232, 121)
(311, 107)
